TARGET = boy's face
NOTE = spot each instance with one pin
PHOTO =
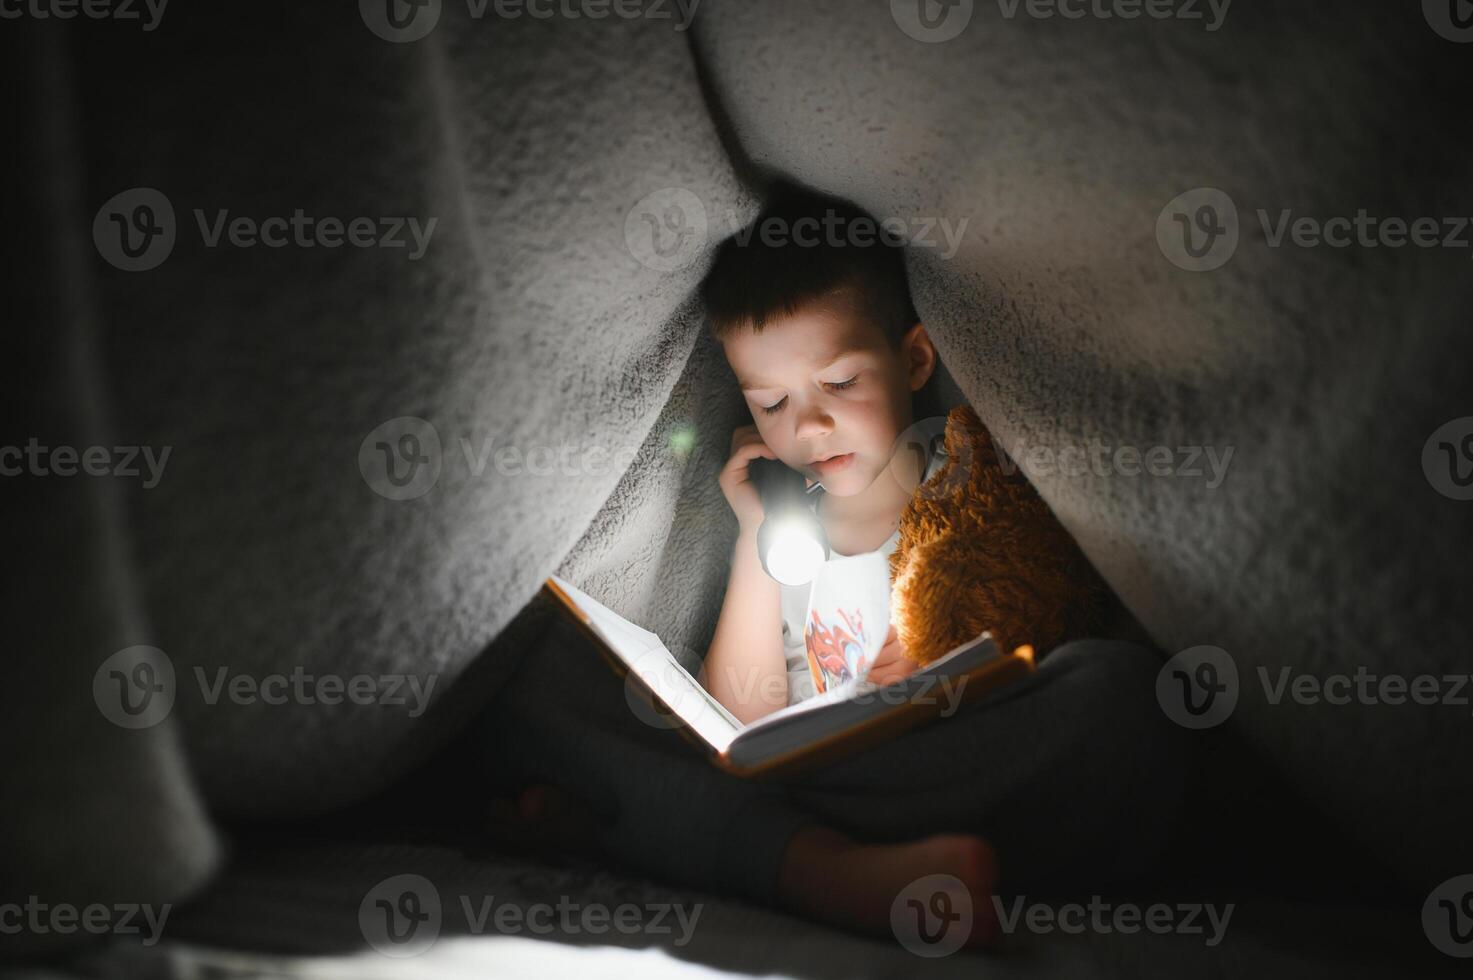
(824, 382)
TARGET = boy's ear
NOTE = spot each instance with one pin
(920, 356)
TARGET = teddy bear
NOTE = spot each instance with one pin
(980, 550)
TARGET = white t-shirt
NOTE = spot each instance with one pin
(855, 573)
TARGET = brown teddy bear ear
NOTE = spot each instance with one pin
(968, 447)
(975, 450)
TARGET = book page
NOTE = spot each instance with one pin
(846, 707)
(957, 661)
(849, 708)
(646, 655)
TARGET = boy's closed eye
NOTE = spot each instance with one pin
(836, 385)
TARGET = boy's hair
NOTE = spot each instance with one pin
(801, 248)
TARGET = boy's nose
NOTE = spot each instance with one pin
(814, 423)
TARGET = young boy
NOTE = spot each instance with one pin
(1074, 773)
(828, 353)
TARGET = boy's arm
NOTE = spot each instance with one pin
(745, 669)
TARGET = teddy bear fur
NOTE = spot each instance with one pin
(979, 550)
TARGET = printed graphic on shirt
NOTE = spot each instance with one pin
(836, 650)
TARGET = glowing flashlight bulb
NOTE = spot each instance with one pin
(791, 541)
(794, 556)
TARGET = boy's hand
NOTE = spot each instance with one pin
(891, 664)
(741, 493)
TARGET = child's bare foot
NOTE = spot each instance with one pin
(833, 878)
(545, 819)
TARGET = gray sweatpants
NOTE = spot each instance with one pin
(1074, 775)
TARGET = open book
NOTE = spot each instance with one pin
(828, 726)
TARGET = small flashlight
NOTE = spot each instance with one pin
(791, 541)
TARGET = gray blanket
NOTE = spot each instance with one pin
(333, 501)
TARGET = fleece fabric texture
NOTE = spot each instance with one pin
(578, 172)
(529, 326)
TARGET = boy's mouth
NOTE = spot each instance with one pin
(833, 464)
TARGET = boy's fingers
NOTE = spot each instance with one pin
(889, 651)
